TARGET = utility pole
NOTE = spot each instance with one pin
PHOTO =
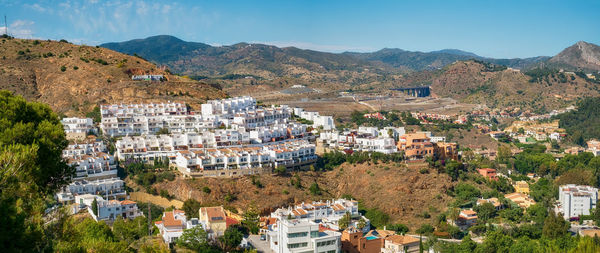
(5, 26)
(149, 219)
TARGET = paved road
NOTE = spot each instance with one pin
(259, 245)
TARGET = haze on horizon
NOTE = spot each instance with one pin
(499, 29)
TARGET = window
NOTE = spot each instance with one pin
(314, 234)
(297, 245)
(296, 235)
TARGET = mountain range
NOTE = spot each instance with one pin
(199, 59)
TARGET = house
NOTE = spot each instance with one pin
(354, 241)
(523, 200)
(108, 209)
(497, 134)
(147, 77)
(215, 220)
(493, 201)
(466, 218)
(172, 225)
(575, 200)
(521, 187)
(488, 173)
(327, 212)
(400, 244)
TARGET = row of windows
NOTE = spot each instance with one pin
(296, 235)
(326, 243)
(297, 245)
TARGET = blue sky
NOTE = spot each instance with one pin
(499, 28)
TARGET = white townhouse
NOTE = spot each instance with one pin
(235, 161)
(575, 200)
(254, 118)
(78, 128)
(83, 148)
(326, 122)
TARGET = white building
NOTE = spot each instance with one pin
(228, 106)
(326, 122)
(95, 172)
(327, 213)
(108, 209)
(78, 128)
(575, 200)
(366, 139)
(172, 225)
(295, 236)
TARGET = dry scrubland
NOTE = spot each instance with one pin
(402, 192)
(73, 79)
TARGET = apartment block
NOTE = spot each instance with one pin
(78, 128)
(228, 106)
(575, 200)
(297, 235)
(108, 209)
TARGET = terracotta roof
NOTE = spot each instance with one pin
(230, 221)
(170, 221)
(127, 202)
(214, 213)
(402, 240)
(468, 212)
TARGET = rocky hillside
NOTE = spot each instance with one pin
(403, 193)
(478, 82)
(73, 79)
(581, 56)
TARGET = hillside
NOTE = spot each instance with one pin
(402, 192)
(73, 79)
(478, 82)
(268, 62)
(264, 62)
(580, 56)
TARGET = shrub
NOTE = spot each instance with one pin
(75, 68)
(206, 190)
(63, 68)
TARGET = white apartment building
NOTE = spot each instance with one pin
(254, 118)
(108, 209)
(575, 200)
(228, 106)
(295, 236)
(172, 225)
(234, 161)
(150, 109)
(326, 122)
(366, 139)
(95, 172)
(327, 213)
(78, 128)
(141, 124)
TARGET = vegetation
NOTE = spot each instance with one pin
(331, 160)
(582, 124)
(31, 169)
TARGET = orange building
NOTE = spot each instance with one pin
(446, 150)
(416, 146)
(353, 241)
(488, 173)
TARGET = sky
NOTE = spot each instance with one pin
(491, 28)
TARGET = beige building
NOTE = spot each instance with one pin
(400, 244)
(523, 200)
(215, 219)
(521, 187)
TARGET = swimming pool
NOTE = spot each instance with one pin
(371, 237)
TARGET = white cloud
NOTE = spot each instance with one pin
(36, 7)
(21, 29)
(317, 47)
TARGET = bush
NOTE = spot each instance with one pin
(315, 189)
(63, 68)
(206, 190)
(165, 194)
(75, 68)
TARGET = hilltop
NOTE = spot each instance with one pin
(73, 79)
(581, 55)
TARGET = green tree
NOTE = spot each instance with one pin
(231, 239)
(191, 208)
(344, 222)
(95, 207)
(361, 223)
(251, 220)
(315, 189)
(194, 238)
(555, 226)
(485, 211)
(425, 229)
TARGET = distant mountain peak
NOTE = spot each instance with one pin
(581, 55)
